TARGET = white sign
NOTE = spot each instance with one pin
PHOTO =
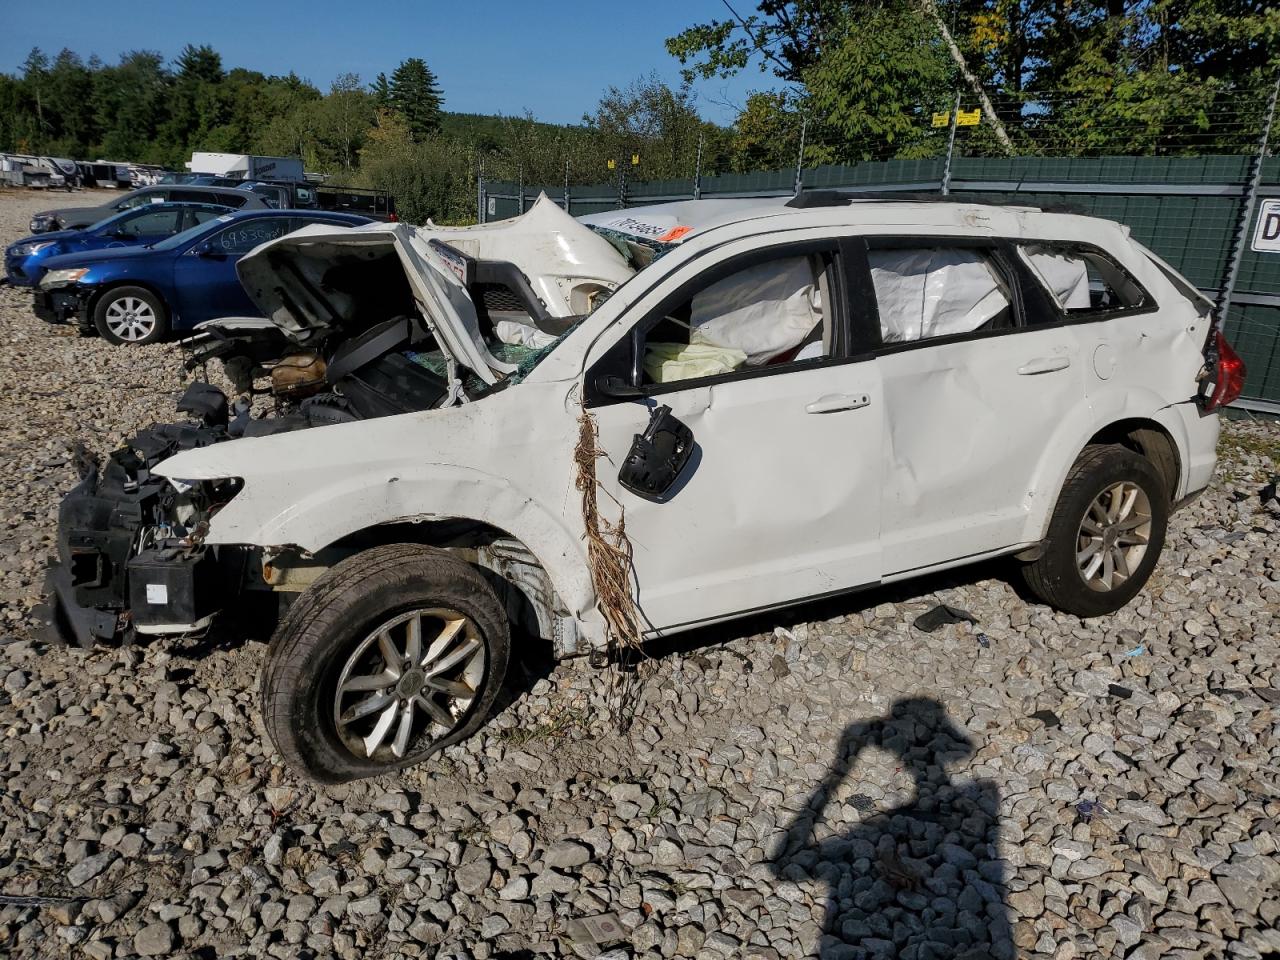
(157, 593)
(1266, 235)
(493, 206)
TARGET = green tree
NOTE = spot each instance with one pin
(415, 95)
(649, 118)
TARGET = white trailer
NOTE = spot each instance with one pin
(247, 166)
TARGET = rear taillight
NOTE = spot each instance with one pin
(393, 218)
(1227, 377)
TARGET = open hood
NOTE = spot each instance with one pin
(321, 278)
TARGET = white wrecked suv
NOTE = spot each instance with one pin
(778, 401)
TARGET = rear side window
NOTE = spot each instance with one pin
(152, 223)
(1083, 281)
(232, 198)
(201, 215)
(243, 237)
(138, 199)
(938, 291)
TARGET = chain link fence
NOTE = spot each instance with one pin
(1202, 197)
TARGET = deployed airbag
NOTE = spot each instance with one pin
(669, 362)
(934, 292)
(1067, 277)
(762, 311)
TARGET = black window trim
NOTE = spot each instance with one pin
(1070, 318)
(625, 357)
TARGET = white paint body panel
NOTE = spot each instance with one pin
(955, 455)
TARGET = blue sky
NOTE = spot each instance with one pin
(499, 56)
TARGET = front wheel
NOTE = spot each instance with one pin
(1105, 535)
(131, 315)
(392, 655)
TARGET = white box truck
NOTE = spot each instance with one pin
(246, 166)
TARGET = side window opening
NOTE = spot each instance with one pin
(767, 314)
(938, 291)
(1083, 281)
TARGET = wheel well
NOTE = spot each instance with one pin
(532, 603)
(1148, 439)
(117, 284)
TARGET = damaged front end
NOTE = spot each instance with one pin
(131, 552)
(360, 324)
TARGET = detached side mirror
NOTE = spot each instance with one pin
(614, 386)
(657, 457)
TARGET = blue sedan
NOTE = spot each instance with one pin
(24, 260)
(140, 294)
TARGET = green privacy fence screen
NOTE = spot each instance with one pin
(1186, 209)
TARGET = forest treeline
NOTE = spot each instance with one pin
(856, 80)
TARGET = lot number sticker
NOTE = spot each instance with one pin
(1266, 235)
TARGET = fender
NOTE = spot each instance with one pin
(297, 495)
(1073, 433)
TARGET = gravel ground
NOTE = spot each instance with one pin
(1036, 786)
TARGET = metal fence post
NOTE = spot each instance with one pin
(622, 186)
(697, 171)
(522, 188)
(951, 146)
(1246, 214)
(566, 185)
(480, 193)
(804, 126)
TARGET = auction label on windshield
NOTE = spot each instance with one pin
(661, 230)
(1266, 235)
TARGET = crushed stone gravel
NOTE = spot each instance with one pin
(829, 781)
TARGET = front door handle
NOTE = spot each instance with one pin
(833, 402)
(1043, 365)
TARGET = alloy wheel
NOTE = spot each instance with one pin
(409, 682)
(131, 318)
(1113, 536)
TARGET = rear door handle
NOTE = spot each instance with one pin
(1043, 365)
(833, 402)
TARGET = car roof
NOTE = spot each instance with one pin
(176, 205)
(874, 211)
(337, 216)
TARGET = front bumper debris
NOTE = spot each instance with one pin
(62, 305)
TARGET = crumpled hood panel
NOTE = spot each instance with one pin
(285, 277)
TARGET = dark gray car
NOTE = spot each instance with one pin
(75, 218)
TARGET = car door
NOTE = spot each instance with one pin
(750, 349)
(974, 370)
(206, 284)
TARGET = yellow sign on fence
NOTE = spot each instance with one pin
(635, 159)
(612, 164)
(968, 118)
(942, 119)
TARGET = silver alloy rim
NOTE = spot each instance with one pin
(131, 318)
(1113, 536)
(409, 682)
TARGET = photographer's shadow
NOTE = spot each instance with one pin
(921, 880)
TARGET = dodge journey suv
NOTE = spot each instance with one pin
(754, 402)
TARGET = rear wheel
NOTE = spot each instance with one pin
(394, 654)
(1105, 536)
(131, 315)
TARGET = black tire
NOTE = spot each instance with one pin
(1056, 577)
(327, 625)
(120, 316)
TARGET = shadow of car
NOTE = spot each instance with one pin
(139, 294)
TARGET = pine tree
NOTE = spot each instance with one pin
(380, 90)
(416, 97)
